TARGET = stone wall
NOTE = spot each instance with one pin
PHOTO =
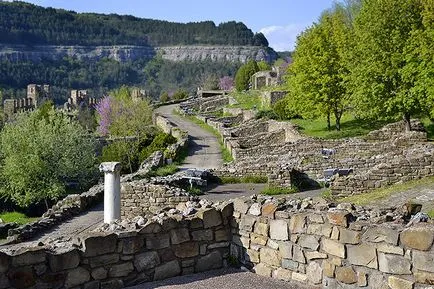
(140, 198)
(170, 128)
(343, 247)
(271, 97)
(157, 250)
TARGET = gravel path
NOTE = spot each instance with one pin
(222, 279)
(204, 149)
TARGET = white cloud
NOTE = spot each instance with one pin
(282, 38)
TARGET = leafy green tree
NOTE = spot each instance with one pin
(384, 74)
(264, 66)
(244, 75)
(180, 94)
(40, 156)
(317, 77)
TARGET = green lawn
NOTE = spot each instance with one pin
(350, 127)
(247, 100)
(20, 218)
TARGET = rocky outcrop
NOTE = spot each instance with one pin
(124, 53)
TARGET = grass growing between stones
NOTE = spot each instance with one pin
(226, 155)
(350, 127)
(274, 191)
(431, 214)
(16, 217)
(164, 171)
(244, 180)
(380, 194)
(247, 100)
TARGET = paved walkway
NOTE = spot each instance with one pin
(204, 149)
(221, 279)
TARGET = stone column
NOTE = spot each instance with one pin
(112, 191)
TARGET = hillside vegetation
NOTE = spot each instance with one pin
(23, 23)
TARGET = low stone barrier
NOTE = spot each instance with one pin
(336, 247)
(160, 249)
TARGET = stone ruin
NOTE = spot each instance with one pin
(277, 150)
(36, 96)
(79, 99)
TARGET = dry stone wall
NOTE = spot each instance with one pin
(341, 247)
(157, 250)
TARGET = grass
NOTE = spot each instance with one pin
(244, 180)
(195, 191)
(350, 127)
(274, 191)
(380, 194)
(429, 126)
(431, 214)
(226, 155)
(247, 100)
(164, 171)
(16, 217)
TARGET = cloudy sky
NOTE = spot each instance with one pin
(280, 20)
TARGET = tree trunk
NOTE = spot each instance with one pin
(407, 122)
(46, 203)
(329, 126)
(338, 116)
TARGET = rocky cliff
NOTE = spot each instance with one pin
(15, 53)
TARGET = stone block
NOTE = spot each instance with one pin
(332, 247)
(362, 255)
(272, 244)
(419, 237)
(399, 283)
(424, 277)
(309, 241)
(252, 256)
(63, 261)
(222, 235)
(262, 270)
(299, 277)
(247, 223)
(241, 205)
(313, 255)
(211, 261)
(270, 257)
(261, 229)
(150, 228)
(76, 277)
(320, 230)
(314, 273)
(255, 209)
(390, 249)
(285, 249)
(338, 217)
(282, 274)
(20, 278)
(196, 223)
(335, 233)
(381, 234)
(423, 261)
(98, 244)
(202, 235)
(346, 275)
(4, 262)
(132, 245)
(157, 242)
(29, 258)
(179, 236)
(211, 218)
(112, 284)
(241, 241)
(298, 254)
(99, 273)
(328, 269)
(146, 261)
(218, 245)
(258, 239)
(186, 250)
(167, 270)
(315, 218)
(393, 264)
(349, 237)
(268, 210)
(297, 224)
(362, 279)
(121, 270)
(92, 285)
(279, 230)
(103, 260)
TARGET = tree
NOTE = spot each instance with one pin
(384, 74)
(226, 83)
(244, 74)
(164, 97)
(41, 155)
(264, 66)
(317, 77)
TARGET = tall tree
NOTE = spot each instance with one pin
(244, 74)
(317, 78)
(383, 82)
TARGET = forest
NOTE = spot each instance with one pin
(24, 23)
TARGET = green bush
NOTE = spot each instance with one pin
(273, 191)
(164, 171)
(160, 142)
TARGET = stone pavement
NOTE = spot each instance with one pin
(228, 278)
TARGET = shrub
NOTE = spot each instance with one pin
(272, 191)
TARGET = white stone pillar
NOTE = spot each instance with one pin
(112, 191)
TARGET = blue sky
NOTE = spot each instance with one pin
(279, 20)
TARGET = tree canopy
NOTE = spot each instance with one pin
(244, 75)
